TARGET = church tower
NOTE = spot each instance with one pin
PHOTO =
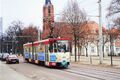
(48, 14)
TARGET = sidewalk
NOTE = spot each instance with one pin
(94, 60)
(7, 73)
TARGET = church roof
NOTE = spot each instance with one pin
(47, 2)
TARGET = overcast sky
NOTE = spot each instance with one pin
(31, 11)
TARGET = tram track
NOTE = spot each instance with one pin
(85, 75)
(100, 69)
(94, 73)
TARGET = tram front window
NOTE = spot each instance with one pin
(62, 46)
(59, 46)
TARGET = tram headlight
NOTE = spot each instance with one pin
(58, 59)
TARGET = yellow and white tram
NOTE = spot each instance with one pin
(49, 52)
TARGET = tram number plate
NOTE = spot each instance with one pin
(54, 64)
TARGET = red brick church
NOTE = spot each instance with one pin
(48, 18)
(59, 28)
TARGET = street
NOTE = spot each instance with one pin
(74, 72)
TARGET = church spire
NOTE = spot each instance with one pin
(47, 2)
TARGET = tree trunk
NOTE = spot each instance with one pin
(111, 49)
(103, 51)
(78, 52)
(86, 51)
(75, 41)
(97, 50)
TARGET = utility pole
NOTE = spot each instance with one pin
(100, 34)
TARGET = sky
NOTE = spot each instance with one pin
(31, 11)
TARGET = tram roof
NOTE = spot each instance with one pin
(27, 44)
(46, 41)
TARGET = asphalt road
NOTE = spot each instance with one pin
(74, 72)
(6, 73)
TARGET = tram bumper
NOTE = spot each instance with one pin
(63, 64)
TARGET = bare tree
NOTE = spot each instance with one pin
(30, 33)
(75, 17)
(114, 7)
(13, 31)
(58, 29)
(105, 40)
(114, 29)
(117, 23)
(113, 12)
(19, 36)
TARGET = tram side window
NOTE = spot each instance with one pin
(25, 49)
(29, 52)
(51, 47)
(46, 48)
(41, 48)
(35, 52)
(55, 47)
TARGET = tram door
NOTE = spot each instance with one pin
(35, 53)
(29, 51)
(32, 51)
(46, 53)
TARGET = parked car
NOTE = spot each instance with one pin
(12, 59)
(4, 56)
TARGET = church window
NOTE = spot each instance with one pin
(49, 11)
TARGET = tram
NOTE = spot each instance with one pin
(49, 52)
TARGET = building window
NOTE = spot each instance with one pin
(107, 49)
(92, 49)
(117, 49)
